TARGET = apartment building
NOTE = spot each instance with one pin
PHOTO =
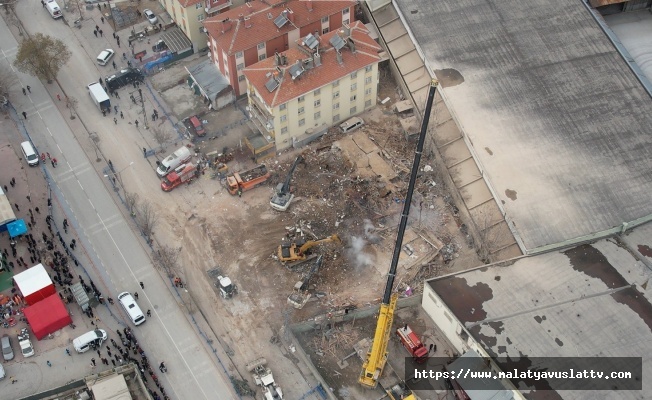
(256, 30)
(296, 95)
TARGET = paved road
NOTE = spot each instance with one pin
(120, 259)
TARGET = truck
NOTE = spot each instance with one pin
(99, 96)
(412, 344)
(181, 156)
(53, 9)
(184, 173)
(242, 181)
(264, 378)
(124, 77)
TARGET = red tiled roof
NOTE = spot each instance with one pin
(188, 3)
(330, 70)
(262, 28)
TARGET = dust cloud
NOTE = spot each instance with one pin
(355, 252)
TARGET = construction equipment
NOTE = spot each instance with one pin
(299, 298)
(283, 196)
(412, 344)
(264, 378)
(242, 181)
(298, 249)
(184, 173)
(374, 363)
(222, 283)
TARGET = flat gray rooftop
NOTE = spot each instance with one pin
(559, 123)
(591, 300)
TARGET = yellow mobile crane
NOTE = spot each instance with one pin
(374, 363)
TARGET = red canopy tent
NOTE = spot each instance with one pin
(34, 284)
(47, 316)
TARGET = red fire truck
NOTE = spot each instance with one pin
(412, 344)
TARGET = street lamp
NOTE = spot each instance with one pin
(114, 174)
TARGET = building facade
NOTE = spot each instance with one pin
(256, 30)
(295, 96)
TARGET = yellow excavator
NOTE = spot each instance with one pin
(374, 363)
(297, 250)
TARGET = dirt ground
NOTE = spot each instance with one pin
(334, 195)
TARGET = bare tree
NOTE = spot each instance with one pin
(132, 202)
(161, 134)
(71, 104)
(11, 17)
(42, 56)
(7, 82)
(147, 219)
(167, 259)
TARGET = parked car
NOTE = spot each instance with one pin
(151, 17)
(194, 125)
(7, 351)
(159, 46)
(105, 56)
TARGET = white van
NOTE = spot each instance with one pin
(30, 154)
(181, 156)
(351, 124)
(130, 306)
(90, 340)
(53, 9)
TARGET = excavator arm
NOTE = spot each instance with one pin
(312, 243)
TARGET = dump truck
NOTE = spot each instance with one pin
(184, 173)
(242, 181)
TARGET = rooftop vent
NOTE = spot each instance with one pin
(339, 57)
(317, 59)
(247, 22)
(269, 16)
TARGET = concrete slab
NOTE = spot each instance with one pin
(409, 62)
(401, 46)
(380, 167)
(634, 30)
(547, 93)
(364, 143)
(393, 31)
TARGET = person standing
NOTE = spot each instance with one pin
(115, 120)
(29, 89)
(24, 92)
(48, 363)
(136, 122)
(136, 295)
(102, 19)
(95, 32)
(24, 115)
(142, 285)
(93, 361)
(121, 115)
(149, 313)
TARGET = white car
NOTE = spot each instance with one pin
(151, 17)
(26, 348)
(105, 56)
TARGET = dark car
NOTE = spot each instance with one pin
(123, 78)
(159, 46)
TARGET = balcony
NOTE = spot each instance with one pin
(217, 8)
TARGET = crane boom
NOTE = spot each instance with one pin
(376, 358)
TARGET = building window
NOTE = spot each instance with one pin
(317, 103)
(345, 22)
(301, 99)
(317, 91)
(301, 110)
(345, 11)
(354, 87)
(324, 31)
(240, 66)
(284, 117)
(317, 115)
(353, 110)
(262, 57)
(201, 17)
(336, 106)
(198, 6)
(284, 130)
(241, 78)
(354, 74)
(336, 117)
(282, 106)
(367, 103)
(336, 83)
(302, 122)
(354, 97)
(324, 20)
(239, 54)
(336, 95)
(367, 80)
(261, 46)
(367, 91)
(368, 68)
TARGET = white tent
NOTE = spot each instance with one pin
(34, 284)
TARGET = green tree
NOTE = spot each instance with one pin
(42, 56)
